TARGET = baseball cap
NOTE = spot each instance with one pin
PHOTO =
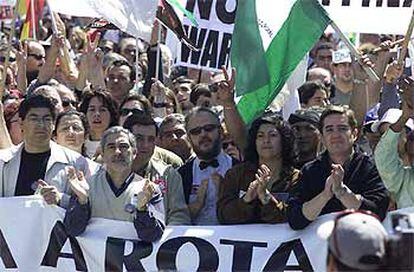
(341, 56)
(371, 117)
(305, 115)
(358, 240)
(391, 117)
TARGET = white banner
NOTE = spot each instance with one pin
(216, 23)
(32, 238)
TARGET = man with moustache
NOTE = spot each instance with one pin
(203, 173)
(341, 178)
(107, 193)
(38, 164)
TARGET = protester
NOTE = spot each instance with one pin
(358, 242)
(38, 164)
(313, 93)
(106, 193)
(256, 191)
(203, 173)
(101, 112)
(147, 165)
(305, 126)
(341, 178)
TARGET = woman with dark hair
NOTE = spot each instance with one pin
(256, 191)
(71, 131)
(101, 112)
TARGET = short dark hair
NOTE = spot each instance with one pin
(197, 110)
(140, 119)
(107, 100)
(285, 132)
(37, 101)
(308, 90)
(341, 110)
(119, 63)
(175, 118)
(141, 99)
(198, 90)
(81, 116)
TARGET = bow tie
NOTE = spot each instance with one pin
(213, 163)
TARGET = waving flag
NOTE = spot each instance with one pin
(266, 48)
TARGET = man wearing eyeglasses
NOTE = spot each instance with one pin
(120, 77)
(202, 174)
(38, 164)
(341, 178)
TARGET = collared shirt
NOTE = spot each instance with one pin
(398, 179)
(208, 214)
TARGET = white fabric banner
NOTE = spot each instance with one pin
(32, 238)
(132, 16)
(216, 23)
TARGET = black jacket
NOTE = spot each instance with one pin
(361, 177)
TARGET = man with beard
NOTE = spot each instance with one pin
(305, 126)
(173, 137)
(203, 173)
(147, 165)
(107, 193)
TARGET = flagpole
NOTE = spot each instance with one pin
(370, 72)
(407, 38)
(136, 64)
(32, 11)
(157, 66)
(8, 49)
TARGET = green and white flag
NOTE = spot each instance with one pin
(270, 38)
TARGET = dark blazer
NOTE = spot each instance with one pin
(361, 177)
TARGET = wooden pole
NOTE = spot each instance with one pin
(370, 72)
(407, 38)
(32, 11)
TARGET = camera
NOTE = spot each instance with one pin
(400, 246)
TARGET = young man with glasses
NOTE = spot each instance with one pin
(341, 178)
(202, 174)
(38, 164)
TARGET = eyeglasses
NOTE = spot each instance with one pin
(125, 112)
(35, 56)
(40, 120)
(207, 128)
(68, 102)
(3, 59)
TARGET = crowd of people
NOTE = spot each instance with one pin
(93, 131)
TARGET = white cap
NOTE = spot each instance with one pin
(341, 56)
(391, 117)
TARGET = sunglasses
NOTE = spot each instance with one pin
(3, 59)
(125, 112)
(68, 102)
(207, 128)
(35, 56)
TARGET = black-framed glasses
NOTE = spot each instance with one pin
(68, 102)
(207, 128)
(35, 56)
(125, 112)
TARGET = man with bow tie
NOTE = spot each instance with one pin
(202, 173)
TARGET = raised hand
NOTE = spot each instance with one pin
(78, 184)
(49, 193)
(225, 91)
(406, 84)
(251, 193)
(263, 176)
(145, 195)
(21, 54)
(393, 72)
